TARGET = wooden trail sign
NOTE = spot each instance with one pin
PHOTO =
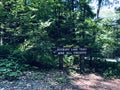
(69, 51)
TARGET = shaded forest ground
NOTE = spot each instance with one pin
(102, 76)
(59, 80)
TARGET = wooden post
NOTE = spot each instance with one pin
(81, 63)
(61, 62)
(90, 62)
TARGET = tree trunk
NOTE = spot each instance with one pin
(1, 41)
(1, 38)
(98, 9)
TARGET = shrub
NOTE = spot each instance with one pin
(9, 69)
(18, 56)
(68, 60)
(40, 58)
(4, 51)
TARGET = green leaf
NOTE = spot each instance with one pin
(11, 74)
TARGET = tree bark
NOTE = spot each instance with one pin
(98, 9)
(1, 38)
(1, 41)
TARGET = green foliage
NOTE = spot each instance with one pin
(107, 69)
(68, 60)
(9, 69)
(4, 51)
(17, 55)
(33, 27)
(116, 52)
(60, 79)
(12, 62)
(40, 58)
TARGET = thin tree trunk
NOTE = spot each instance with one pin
(1, 41)
(98, 9)
(1, 38)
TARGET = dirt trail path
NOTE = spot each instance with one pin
(58, 80)
(94, 82)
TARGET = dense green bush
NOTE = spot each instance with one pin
(17, 55)
(106, 69)
(69, 60)
(9, 69)
(4, 51)
(40, 58)
(12, 62)
(116, 52)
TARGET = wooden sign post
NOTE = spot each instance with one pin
(70, 51)
(81, 64)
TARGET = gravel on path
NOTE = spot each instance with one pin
(59, 80)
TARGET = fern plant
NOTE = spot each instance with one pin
(9, 69)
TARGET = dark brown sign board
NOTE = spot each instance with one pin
(69, 51)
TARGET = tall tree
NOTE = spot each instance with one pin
(99, 6)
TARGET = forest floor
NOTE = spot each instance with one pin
(59, 80)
